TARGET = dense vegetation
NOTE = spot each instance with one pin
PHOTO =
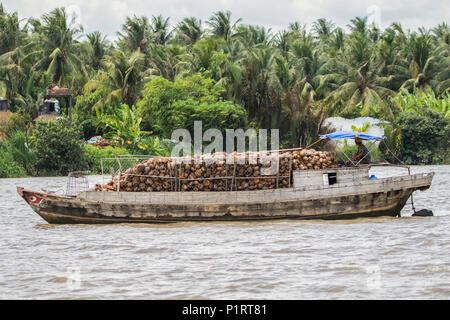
(157, 77)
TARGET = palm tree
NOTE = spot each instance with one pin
(358, 25)
(99, 46)
(374, 33)
(17, 81)
(302, 113)
(282, 41)
(221, 25)
(12, 35)
(336, 42)
(160, 30)
(11, 77)
(17, 78)
(255, 75)
(189, 30)
(323, 29)
(60, 53)
(442, 33)
(165, 60)
(296, 27)
(424, 66)
(359, 90)
(135, 33)
(250, 36)
(308, 61)
(284, 84)
(121, 79)
(201, 56)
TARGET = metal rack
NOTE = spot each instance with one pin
(77, 183)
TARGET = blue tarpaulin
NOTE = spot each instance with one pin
(350, 135)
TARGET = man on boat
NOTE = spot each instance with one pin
(362, 155)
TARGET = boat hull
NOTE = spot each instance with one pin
(373, 199)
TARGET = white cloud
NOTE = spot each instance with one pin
(121, 9)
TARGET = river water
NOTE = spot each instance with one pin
(381, 258)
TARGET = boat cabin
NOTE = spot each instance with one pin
(330, 177)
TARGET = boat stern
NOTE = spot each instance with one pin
(423, 180)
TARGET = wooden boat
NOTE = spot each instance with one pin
(333, 193)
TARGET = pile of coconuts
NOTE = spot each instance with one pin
(219, 171)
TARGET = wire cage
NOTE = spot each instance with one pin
(77, 182)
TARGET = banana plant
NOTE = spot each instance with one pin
(154, 146)
(364, 128)
(419, 101)
(123, 126)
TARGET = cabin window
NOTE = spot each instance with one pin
(331, 178)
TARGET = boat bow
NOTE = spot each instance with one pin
(31, 197)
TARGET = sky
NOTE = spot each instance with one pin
(107, 16)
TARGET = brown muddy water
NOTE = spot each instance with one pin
(382, 258)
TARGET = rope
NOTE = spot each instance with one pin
(373, 148)
(313, 144)
(353, 163)
(409, 172)
(387, 147)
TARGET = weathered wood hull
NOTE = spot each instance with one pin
(384, 197)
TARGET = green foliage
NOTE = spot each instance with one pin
(392, 146)
(88, 125)
(58, 147)
(169, 105)
(419, 102)
(9, 168)
(18, 121)
(425, 138)
(121, 79)
(60, 53)
(364, 128)
(220, 115)
(17, 146)
(84, 113)
(154, 146)
(15, 157)
(123, 126)
(85, 102)
(95, 154)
